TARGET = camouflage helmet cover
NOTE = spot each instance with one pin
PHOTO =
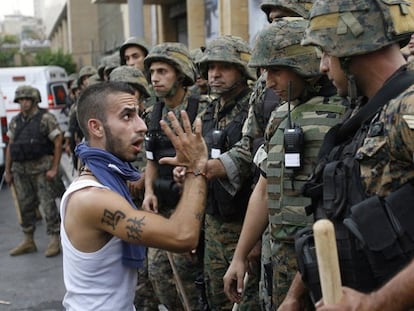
(133, 41)
(229, 49)
(27, 91)
(278, 44)
(177, 55)
(133, 76)
(300, 7)
(197, 54)
(87, 71)
(112, 62)
(345, 28)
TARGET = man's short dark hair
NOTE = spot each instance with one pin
(94, 99)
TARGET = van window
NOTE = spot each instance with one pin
(58, 92)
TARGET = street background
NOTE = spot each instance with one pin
(28, 282)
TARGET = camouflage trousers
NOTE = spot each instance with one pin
(161, 276)
(35, 190)
(284, 264)
(266, 275)
(145, 298)
(220, 242)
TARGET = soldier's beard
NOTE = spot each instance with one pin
(170, 93)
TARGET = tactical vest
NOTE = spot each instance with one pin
(156, 142)
(219, 202)
(29, 142)
(284, 185)
(367, 258)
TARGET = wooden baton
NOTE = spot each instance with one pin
(180, 286)
(328, 264)
(245, 280)
(16, 203)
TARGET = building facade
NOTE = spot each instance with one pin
(91, 29)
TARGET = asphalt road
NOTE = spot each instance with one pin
(29, 282)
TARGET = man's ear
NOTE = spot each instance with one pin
(96, 127)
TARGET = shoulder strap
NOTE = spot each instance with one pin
(156, 116)
(192, 108)
(400, 82)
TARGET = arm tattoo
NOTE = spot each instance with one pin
(135, 228)
(112, 219)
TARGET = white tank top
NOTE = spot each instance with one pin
(98, 280)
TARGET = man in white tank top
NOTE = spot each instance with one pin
(97, 216)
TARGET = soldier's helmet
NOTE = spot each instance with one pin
(86, 71)
(197, 54)
(133, 76)
(27, 91)
(345, 28)
(299, 7)
(133, 41)
(229, 49)
(177, 55)
(111, 64)
(278, 44)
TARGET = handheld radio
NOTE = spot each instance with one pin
(292, 140)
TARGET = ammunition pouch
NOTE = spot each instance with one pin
(384, 229)
(226, 206)
(167, 192)
(354, 268)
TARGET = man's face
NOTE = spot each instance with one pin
(331, 66)
(26, 105)
(279, 12)
(124, 129)
(134, 57)
(163, 78)
(222, 76)
(278, 80)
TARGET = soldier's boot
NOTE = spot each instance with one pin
(27, 246)
(53, 248)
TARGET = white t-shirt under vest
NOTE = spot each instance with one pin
(97, 280)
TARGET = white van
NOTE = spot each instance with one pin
(51, 81)
(3, 132)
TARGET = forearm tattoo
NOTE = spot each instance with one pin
(112, 219)
(134, 228)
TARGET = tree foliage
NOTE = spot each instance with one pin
(47, 57)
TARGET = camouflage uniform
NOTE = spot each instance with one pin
(29, 175)
(222, 231)
(279, 45)
(385, 138)
(189, 267)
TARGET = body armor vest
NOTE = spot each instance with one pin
(284, 185)
(374, 240)
(219, 202)
(29, 142)
(160, 146)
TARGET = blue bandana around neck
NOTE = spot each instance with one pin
(114, 174)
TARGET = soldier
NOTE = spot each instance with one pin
(262, 102)
(275, 9)
(171, 71)
(371, 153)
(74, 135)
(133, 51)
(32, 165)
(307, 111)
(201, 84)
(224, 64)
